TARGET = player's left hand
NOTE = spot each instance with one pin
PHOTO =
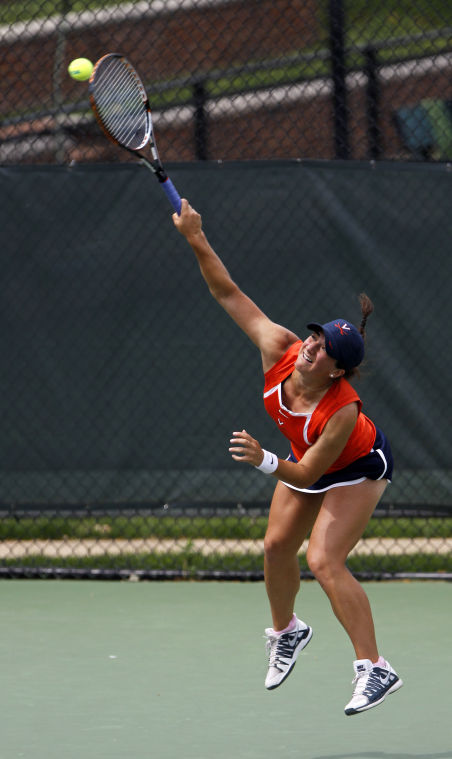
(246, 449)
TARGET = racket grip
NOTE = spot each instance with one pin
(172, 195)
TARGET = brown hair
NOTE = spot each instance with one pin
(366, 309)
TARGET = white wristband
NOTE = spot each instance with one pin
(269, 463)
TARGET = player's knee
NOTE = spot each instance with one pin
(276, 547)
(321, 565)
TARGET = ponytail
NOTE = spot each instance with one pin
(366, 309)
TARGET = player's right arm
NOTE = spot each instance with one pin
(272, 339)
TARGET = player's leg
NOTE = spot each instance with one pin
(291, 517)
(342, 519)
(341, 522)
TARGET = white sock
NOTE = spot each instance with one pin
(289, 627)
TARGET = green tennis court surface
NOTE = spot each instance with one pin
(175, 671)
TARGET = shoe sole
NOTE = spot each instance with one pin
(392, 689)
(303, 643)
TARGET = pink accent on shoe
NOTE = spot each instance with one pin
(380, 663)
(289, 627)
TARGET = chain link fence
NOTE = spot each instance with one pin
(315, 138)
(235, 80)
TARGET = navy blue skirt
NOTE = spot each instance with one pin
(377, 465)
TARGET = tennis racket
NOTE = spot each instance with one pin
(121, 107)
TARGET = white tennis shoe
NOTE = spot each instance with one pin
(372, 684)
(282, 651)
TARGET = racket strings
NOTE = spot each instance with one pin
(120, 103)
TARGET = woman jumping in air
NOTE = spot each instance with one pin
(336, 473)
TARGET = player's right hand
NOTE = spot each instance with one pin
(189, 222)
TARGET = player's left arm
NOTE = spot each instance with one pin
(317, 459)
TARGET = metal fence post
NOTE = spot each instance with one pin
(57, 78)
(373, 102)
(200, 116)
(338, 73)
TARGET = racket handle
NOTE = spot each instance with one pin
(172, 195)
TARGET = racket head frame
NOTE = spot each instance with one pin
(147, 140)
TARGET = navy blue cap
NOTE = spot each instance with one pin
(342, 342)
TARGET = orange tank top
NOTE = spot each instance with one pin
(304, 429)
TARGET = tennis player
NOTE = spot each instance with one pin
(337, 470)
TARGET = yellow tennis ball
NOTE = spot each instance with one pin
(80, 69)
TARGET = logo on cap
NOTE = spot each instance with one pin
(343, 328)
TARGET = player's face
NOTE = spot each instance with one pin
(313, 356)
